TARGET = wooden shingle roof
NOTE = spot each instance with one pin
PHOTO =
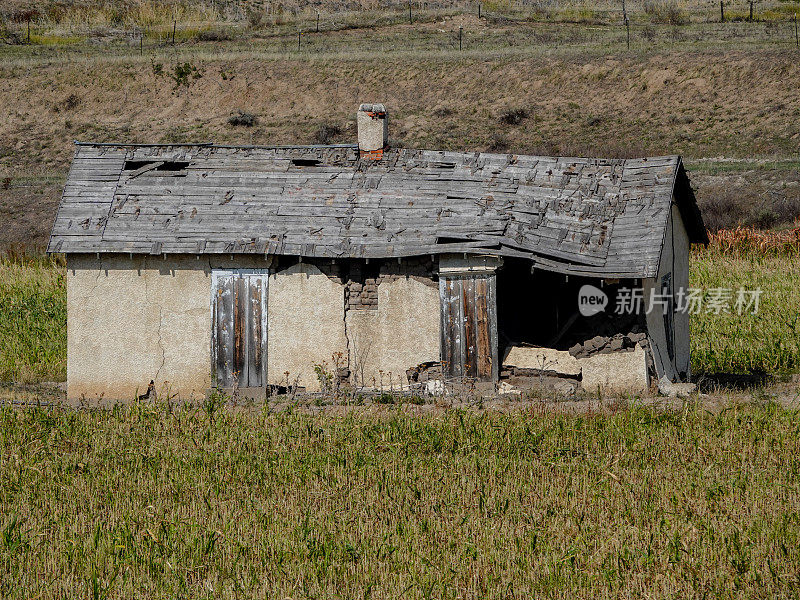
(573, 215)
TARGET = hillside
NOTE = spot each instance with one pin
(731, 109)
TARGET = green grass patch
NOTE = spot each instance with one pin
(33, 319)
(768, 341)
(147, 501)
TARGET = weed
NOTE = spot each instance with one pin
(326, 133)
(184, 73)
(242, 118)
(513, 116)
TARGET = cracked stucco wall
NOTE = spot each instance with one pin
(133, 319)
(130, 320)
(401, 333)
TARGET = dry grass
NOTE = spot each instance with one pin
(158, 502)
(746, 240)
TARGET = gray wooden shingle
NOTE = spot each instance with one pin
(574, 215)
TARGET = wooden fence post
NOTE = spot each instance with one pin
(174, 27)
(721, 11)
(410, 19)
(628, 31)
(796, 38)
(460, 32)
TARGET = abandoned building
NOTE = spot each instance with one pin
(199, 266)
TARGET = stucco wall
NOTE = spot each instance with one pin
(403, 332)
(305, 324)
(130, 320)
(675, 253)
(133, 320)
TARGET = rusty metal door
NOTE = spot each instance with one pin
(469, 327)
(238, 329)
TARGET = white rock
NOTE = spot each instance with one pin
(507, 388)
(675, 390)
(434, 387)
(545, 359)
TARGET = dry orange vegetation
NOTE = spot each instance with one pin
(748, 239)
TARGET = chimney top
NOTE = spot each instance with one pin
(373, 130)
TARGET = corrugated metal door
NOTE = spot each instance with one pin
(239, 333)
(469, 326)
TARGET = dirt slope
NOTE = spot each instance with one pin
(698, 105)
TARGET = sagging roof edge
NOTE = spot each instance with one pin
(537, 262)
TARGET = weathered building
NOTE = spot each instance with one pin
(200, 265)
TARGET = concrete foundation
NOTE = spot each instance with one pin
(617, 372)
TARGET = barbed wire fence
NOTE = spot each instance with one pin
(434, 26)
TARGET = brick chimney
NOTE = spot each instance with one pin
(373, 130)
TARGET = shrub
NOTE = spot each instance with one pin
(242, 119)
(513, 116)
(326, 133)
(213, 35)
(184, 73)
(666, 11)
(498, 144)
(71, 102)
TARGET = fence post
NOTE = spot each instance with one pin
(751, 10)
(29, 30)
(317, 21)
(174, 26)
(796, 38)
(410, 20)
(628, 31)
(627, 24)
(141, 43)
(721, 11)
(299, 33)
(460, 31)
(479, 10)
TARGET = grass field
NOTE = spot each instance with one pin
(33, 316)
(147, 501)
(33, 319)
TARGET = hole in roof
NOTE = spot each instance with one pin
(168, 165)
(305, 162)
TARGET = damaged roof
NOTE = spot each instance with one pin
(572, 215)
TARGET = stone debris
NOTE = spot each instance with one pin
(675, 390)
(619, 342)
(565, 387)
(506, 388)
(435, 387)
(545, 360)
